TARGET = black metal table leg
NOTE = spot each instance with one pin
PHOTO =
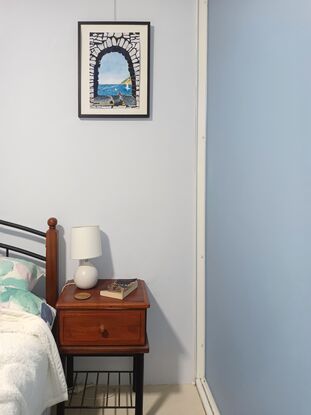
(60, 408)
(134, 372)
(69, 371)
(139, 383)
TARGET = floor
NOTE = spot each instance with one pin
(158, 400)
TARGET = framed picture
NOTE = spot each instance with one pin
(113, 69)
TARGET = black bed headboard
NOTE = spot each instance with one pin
(51, 257)
(9, 248)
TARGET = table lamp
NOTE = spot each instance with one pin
(85, 244)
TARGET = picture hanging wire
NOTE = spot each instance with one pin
(115, 10)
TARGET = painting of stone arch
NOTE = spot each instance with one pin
(114, 69)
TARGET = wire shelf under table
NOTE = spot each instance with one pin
(109, 389)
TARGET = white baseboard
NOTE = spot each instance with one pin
(206, 396)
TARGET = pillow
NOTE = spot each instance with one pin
(28, 302)
(19, 273)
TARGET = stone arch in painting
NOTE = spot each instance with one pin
(129, 62)
(125, 43)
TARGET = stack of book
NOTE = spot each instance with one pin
(120, 288)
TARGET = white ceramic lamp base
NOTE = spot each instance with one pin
(86, 276)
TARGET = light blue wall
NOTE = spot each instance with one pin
(135, 178)
(259, 207)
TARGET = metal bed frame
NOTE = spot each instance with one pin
(9, 248)
(51, 257)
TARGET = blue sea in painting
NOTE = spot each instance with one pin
(114, 89)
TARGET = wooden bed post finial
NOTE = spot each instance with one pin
(52, 262)
(52, 222)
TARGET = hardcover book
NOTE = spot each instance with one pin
(120, 288)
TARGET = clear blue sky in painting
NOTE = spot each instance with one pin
(113, 69)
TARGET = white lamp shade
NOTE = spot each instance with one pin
(85, 242)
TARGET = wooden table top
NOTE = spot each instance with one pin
(138, 299)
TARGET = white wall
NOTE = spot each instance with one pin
(135, 178)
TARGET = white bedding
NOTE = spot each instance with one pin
(31, 373)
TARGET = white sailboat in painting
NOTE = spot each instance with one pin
(128, 83)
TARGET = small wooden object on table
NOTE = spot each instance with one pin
(103, 326)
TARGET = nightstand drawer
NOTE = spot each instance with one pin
(98, 328)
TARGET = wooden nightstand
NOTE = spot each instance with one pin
(102, 326)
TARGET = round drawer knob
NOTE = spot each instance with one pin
(102, 328)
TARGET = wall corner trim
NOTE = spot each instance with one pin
(206, 396)
(202, 19)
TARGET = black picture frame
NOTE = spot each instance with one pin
(105, 50)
